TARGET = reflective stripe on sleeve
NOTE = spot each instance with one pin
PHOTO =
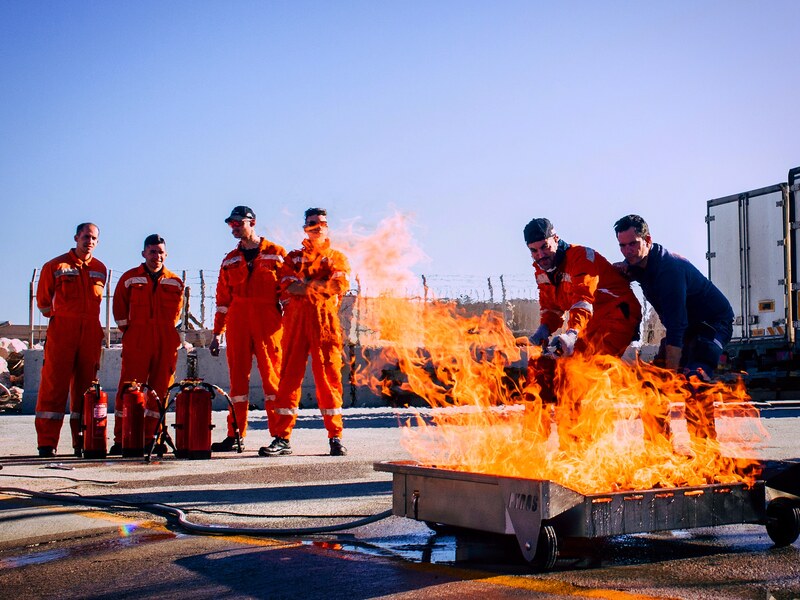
(270, 398)
(339, 274)
(231, 261)
(98, 275)
(286, 411)
(584, 305)
(135, 280)
(222, 309)
(171, 281)
(330, 411)
(275, 257)
(122, 323)
(117, 413)
(62, 272)
(240, 399)
(152, 413)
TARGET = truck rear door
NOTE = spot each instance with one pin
(747, 259)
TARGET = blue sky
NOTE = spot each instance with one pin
(473, 117)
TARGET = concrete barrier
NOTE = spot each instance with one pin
(212, 369)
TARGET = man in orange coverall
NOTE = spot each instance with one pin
(313, 280)
(249, 312)
(147, 305)
(604, 314)
(69, 294)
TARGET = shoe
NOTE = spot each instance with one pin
(336, 447)
(278, 447)
(78, 452)
(115, 450)
(160, 449)
(47, 452)
(226, 445)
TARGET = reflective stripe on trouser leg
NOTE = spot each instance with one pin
(48, 427)
(295, 346)
(326, 364)
(241, 405)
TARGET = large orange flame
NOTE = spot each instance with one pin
(609, 429)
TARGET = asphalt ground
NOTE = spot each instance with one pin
(123, 548)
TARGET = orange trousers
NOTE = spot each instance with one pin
(71, 362)
(149, 356)
(301, 335)
(251, 330)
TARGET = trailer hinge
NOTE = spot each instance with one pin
(710, 255)
(795, 286)
(710, 218)
(795, 224)
(737, 321)
(782, 282)
(781, 242)
(779, 203)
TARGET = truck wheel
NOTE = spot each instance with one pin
(783, 521)
(546, 549)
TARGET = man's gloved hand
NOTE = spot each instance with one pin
(564, 344)
(540, 336)
(214, 347)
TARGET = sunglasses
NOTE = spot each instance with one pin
(237, 223)
(311, 224)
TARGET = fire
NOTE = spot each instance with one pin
(609, 430)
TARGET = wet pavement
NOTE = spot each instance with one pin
(124, 547)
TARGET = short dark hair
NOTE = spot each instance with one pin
(82, 226)
(153, 240)
(311, 212)
(638, 223)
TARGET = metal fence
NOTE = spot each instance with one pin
(514, 296)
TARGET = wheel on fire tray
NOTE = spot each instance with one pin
(546, 549)
(783, 521)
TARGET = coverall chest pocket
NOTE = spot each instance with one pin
(69, 286)
(236, 273)
(169, 298)
(140, 301)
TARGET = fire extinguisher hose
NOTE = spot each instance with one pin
(179, 517)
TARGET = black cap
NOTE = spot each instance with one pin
(538, 230)
(241, 212)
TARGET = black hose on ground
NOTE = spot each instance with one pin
(180, 517)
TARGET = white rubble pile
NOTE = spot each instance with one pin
(11, 373)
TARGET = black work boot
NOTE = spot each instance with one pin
(336, 447)
(47, 452)
(116, 449)
(226, 445)
(279, 447)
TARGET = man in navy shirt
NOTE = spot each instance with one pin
(697, 316)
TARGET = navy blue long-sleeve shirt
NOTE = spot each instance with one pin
(680, 294)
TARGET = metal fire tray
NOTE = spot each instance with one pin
(538, 512)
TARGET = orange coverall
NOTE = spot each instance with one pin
(602, 307)
(249, 312)
(69, 293)
(146, 311)
(311, 325)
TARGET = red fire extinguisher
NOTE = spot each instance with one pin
(133, 405)
(193, 420)
(94, 421)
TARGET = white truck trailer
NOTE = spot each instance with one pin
(753, 259)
